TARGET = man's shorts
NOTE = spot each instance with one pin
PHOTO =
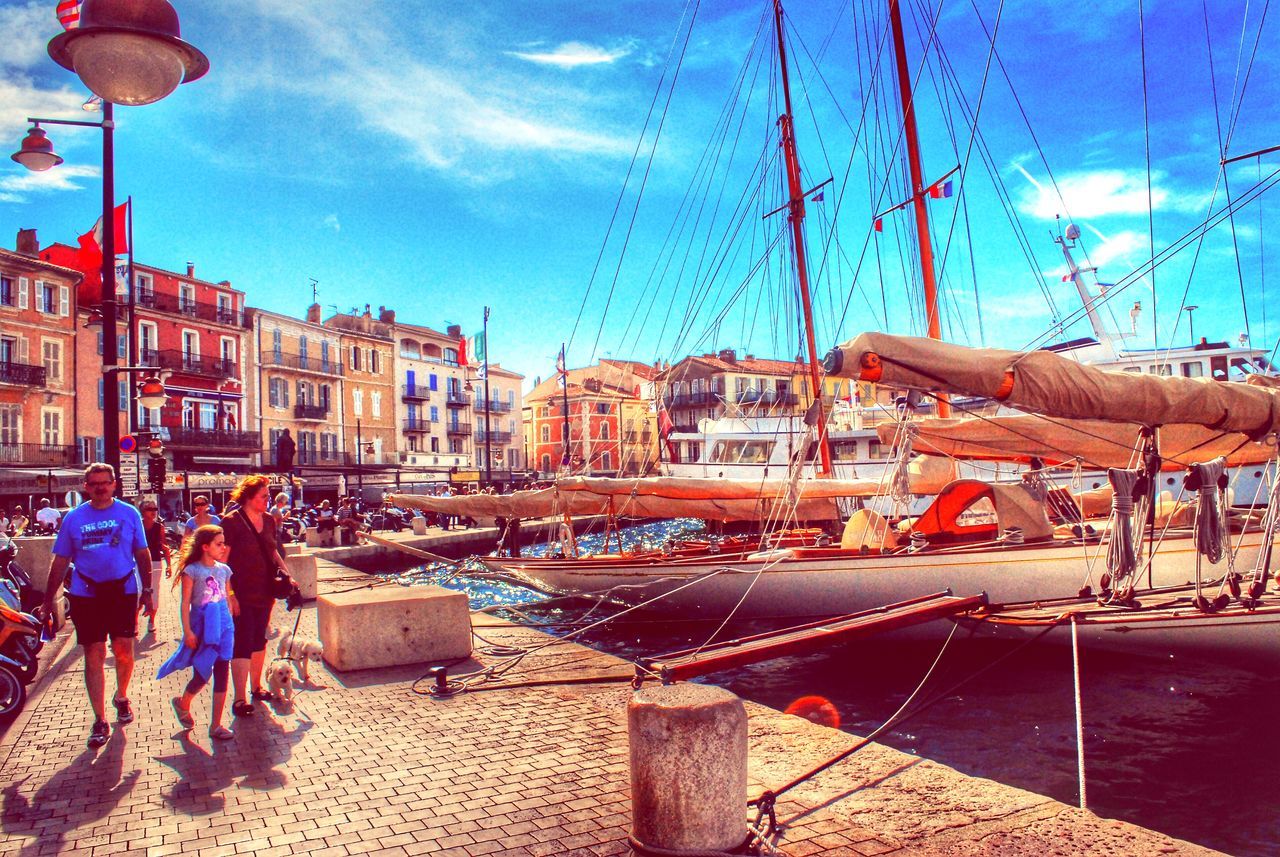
(99, 616)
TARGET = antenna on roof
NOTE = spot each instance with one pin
(315, 289)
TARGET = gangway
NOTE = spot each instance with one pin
(805, 639)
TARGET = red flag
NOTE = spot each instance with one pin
(89, 259)
(69, 14)
(878, 226)
(462, 352)
(665, 428)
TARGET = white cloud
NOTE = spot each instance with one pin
(20, 98)
(19, 186)
(574, 54)
(331, 221)
(27, 30)
(1093, 194)
(1120, 246)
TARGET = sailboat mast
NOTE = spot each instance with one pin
(796, 217)
(917, 187)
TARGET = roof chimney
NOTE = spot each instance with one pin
(454, 330)
(387, 316)
(28, 244)
(191, 269)
(728, 355)
(368, 314)
(313, 313)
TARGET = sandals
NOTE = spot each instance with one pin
(221, 733)
(124, 711)
(242, 709)
(184, 714)
(262, 695)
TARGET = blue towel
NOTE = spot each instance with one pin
(213, 627)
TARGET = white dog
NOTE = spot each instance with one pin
(301, 651)
(280, 682)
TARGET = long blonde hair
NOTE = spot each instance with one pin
(193, 547)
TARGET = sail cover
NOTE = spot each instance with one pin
(1094, 443)
(1046, 383)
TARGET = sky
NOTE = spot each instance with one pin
(604, 174)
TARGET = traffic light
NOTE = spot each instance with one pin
(156, 466)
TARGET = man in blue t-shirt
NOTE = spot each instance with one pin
(107, 543)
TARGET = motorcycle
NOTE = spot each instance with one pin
(13, 692)
(16, 587)
(20, 642)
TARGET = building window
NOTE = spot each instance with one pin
(1194, 369)
(51, 428)
(10, 421)
(208, 416)
(8, 350)
(190, 344)
(228, 353)
(276, 346)
(355, 358)
(226, 314)
(324, 397)
(451, 357)
(373, 361)
(435, 444)
(302, 352)
(47, 298)
(7, 297)
(52, 356)
(604, 431)
(546, 464)
(546, 434)
(433, 383)
(602, 408)
(435, 414)
(187, 298)
(455, 446)
(375, 404)
(148, 337)
(606, 462)
(145, 290)
(357, 402)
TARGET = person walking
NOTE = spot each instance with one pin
(208, 636)
(105, 539)
(285, 450)
(158, 548)
(203, 516)
(255, 560)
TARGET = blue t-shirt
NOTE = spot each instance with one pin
(210, 583)
(101, 543)
(191, 526)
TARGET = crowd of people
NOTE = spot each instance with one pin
(230, 571)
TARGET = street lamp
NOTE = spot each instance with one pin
(127, 52)
(1191, 320)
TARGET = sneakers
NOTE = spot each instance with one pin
(124, 711)
(99, 734)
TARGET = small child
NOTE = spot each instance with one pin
(207, 629)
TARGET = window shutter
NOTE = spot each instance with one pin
(24, 286)
(101, 395)
(284, 394)
(24, 354)
(64, 301)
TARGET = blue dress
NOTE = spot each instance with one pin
(211, 623)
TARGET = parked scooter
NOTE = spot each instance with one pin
(16, 588)
(13, 692)
(20, 642)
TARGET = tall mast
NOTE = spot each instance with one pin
(917, 187)
(796, 218)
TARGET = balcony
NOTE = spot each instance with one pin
(495, 407)
(687, 400)
(311, 412)
(456, 399)
(768, 398)
(191, 308)
(190, 363)
(414, 393)
(38, 454)
(302, 362)
(22, 373)
(638, 437)
(501, 438)
(420, 424)
(182, 436)
(458, 428)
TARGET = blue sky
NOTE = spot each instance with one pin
(437, 158)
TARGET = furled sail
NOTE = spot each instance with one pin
(1046, 383)
(1056, 440)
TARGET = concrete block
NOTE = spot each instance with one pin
(317, 539)
(393, 626)
(34, 555)
(303, 571)
(688, 767)
(419, 526)
(291, 549)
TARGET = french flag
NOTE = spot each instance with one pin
(941, 190)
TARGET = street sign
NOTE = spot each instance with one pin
(128, 443)
(128, 472)
(72, 498)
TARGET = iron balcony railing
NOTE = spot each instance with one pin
(310, 412)
(22, 373)
(499, 437)
(766, 397)
(684, 400)
(38, 454)
(495, 406)
(456, 398)
(420, 424)
(214, 438)
(189, 362)
(191, 308)
(304, 362)
(414, 393)
(458, 428)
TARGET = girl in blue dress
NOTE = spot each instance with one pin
(207, 629)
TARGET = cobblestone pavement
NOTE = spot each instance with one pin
(362, 764)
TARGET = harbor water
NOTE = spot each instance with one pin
(1188, 747)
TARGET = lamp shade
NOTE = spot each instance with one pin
(151, 393)
(128, 52)
(37, 152)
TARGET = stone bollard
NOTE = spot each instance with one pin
(419, 526)
(688, 768)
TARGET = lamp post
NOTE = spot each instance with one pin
(359, 467)
(1191, 320)
(127, 52)
(488, 454)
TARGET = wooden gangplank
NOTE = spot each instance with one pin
(806, 639)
